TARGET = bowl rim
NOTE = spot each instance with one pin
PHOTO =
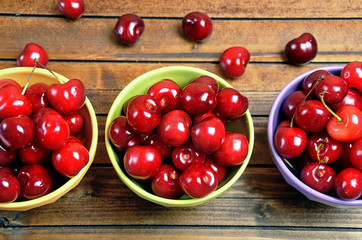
(161, 200)
(72, 182)
(307, 191)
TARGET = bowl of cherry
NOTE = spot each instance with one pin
(48, 136)
(179, 136)
(315, 134)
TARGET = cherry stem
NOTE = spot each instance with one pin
(318, 172)
(27, 82)
(289, 164)
(45, 67)
(319, 160)
(321, 96)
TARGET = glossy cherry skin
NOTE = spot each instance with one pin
(290, 142)
(198, 181)
(186, 155)
(350, 129)
(233, 150)
(352, 98)
(167, 93)
(39, 113)
(36, 93)
(292, 102)
(17, 132)
(13, 103)
(199, 118)
(34, 181)
(9, 187)
(208, 135)
(220, 170)
(313, 78)
(197, 26)
(164, 149)
(233, 61)
(34, 153)
(333, 88)
(356, 154)
(75, 122)
(207, 80)
(6, 155)
(328, 149)
(348, 184)
(312, 116)
(129, 29)
(231, 104)
(352, 74)
(73, 9)
(68, 97)
(302, 49)
(70, 159)
(198, 99)
(52, 131)
(6, 81)
(165, 183)
(320, 177)
(142, 162)
(121, 135)
(31, 52)
(174, 128)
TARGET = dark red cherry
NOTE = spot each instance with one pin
(167, 93)
(165, 183)
(220, 170)
(37, 95)
(318, 176)
(31, 52)
(121, 135)
(348, 184)
(6, 155)
(164, 149)
(73, 9)
(75, 122)
(207, 80)
(302, 49)
(323, 148)
(352, 98)
(197, 26)
(356, 154)
(34, 153)
(333, 88)
(186, 155)
(292, 102)
(9, 187)
(313, 78)
(290, 142)
(129, 28)
(352, 74)
(13, 103)
(233, 61)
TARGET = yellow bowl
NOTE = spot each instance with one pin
(89, 136)
(181, 75)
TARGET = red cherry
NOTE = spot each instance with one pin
(356, 154)
(344, 160)
(292, 102)
(6, 170)
(234, 60)
(13, 103)
(34, 181)
(302, 49)
(31, 52)
(68, 97)
(348, 184)
(220, 170)
(70, 159)
(39, 113)
(9, 187)
(285, 123)
(199, 118)
(167, 93)
(164, 149)
(73, 9)
(290, 142)
(37, 94)
(352, 73)
(186, 155)
(142, 162)
(352, 98)
(198, 181)
(75, 122)
(121, 135)
(231, 105)
(4, 82)
(233, 150)
(6, 155)
(320, 177)
(322, 148)
(129, 28)
(333, 88)
(312, 79)
(207, 80)
(197, 26)
(34, 153)
(74, 139)
(165, 183)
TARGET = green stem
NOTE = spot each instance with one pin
(45, 67)
(27, 82)
(289, 164)
(321, 96)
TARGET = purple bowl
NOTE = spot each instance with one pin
(275, 117)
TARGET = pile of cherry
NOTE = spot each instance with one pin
(38, 143)
(175, 140)
(322, 137)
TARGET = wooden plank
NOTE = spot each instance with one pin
(93, 39)
(179, 8)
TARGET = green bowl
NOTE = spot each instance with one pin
(181, 75)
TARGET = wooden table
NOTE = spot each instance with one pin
(261, 204)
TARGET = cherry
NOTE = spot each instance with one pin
(198, 181)
(199, 118)
(346, 125)
(31, 52)
(39, 113)
(186, 155)
(52, 131)
(356, 154)
(6, 155)
(290, 142)
(324, 149)
(348, 184)
(220, 170)
(344, 160)
(233, 61)
(167, 93)
(352, 98)
(68, 97)
(143, 109)
(164, 149)
(121, 135)
(207, 80)
(34, 153)
(174, 128)
(208, 135)
(75, 122)
(13, 103)
(9, 187)
(197, 26)
(318, 176)
(285, 123)
(142, 162)
(74, 139)
(37, 94)
(292, 102)
(73, 9)
(70, 159)
(6, 170)
(165, 183)
(302, 49)
(233, 150)
(352, 74)
(129, 28)
(231, 105)
(312, 79)
(312, 116)
(17, 132)
(198, 99)
(333, 88)
(4, 82)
